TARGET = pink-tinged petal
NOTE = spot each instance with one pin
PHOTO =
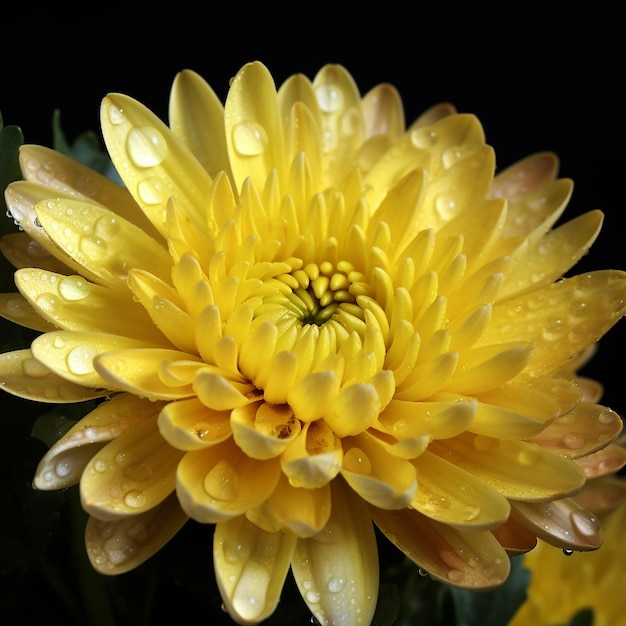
(74, 303)
(337, 570)
(264, 431)
(17, 309)
(453, 496)
(118, 546)
(379, 477)
(21, 374)
(468, 559)
(196, 116)
(190, 425)
(518, 470)
(63, 464)
(250, 568)
(105, 244)
(131, 474)
(514, 537)
(221, 482)
(303, 511)
(72, 354)
(602, 494)
(254, 132)
(583, 431)
(563, 523)
(608, 460)
(153, 163)
(143, 371)
(314, 458)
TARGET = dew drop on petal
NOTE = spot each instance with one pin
(574, 441)
(606, 416)
(146, 146)
(153, 191)
(101, 466)
(134, 499)
(120, 548)
(221, 482)
(329, 97)
(423, 138)
(355, 460)
(116, 115)
(335, 585)
(73, 288)
(80, 359)
(249, 138)
(107, 226)
(62, 468)
(584, 523)
(454, 575)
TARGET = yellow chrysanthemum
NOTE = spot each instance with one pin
(304, 319)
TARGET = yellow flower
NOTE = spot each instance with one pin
(304, 319)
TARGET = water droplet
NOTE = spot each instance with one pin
(567, 552)
(47, 303)
(135, 499)
(249, 138)
(153, 191)
(100, 465)
(355, 460)
(312, 597)
(422, 572)
(63, 468)
(73, 288)
(335, 585)
(329, 97)
(146, 146)
(454, 575)
(423, 138)
(34, 369)
(445, 206)
(585, 523)
(484, 444)
(80, 359)
(120, 548)
(221, 482)
(607, 416)
(107, 226)
(116, 115)
(574, 441)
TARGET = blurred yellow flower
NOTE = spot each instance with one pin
(304, 319)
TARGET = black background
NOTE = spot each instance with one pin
(542, 76)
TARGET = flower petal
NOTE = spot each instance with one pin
(453, 496)
(608, 460)
(518, 470)
(190, 425)
(250, 568)
(120, 545)
(562, 523)
(131, 474)
(583, 431)
(64, 462)
(17, 309)
(337, 570)
(101, 241)
(602, 494)
(221, 482)
(379, 477)
(21, 374)
(469, 559)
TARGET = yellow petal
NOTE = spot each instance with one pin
(518, 470)
(196, 116)
(131, 474)
(221, 482)
(514, 537)
(453, 496)
(250, 568)
(254, 133)
(337, 570)
(379, 477)
(562, 523)
(303, 511)
(383, 112)
(118, 546)
(16, 308)
(190, 425)
(146, 153)
(314, 458)
(583, 431)
(22, 251)
(468, 559)
(63, 464)
(311, 395)
(262, 430)
(74, 303)
(138, 370)
(496, 421)
(355, 409)
(104, 243)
